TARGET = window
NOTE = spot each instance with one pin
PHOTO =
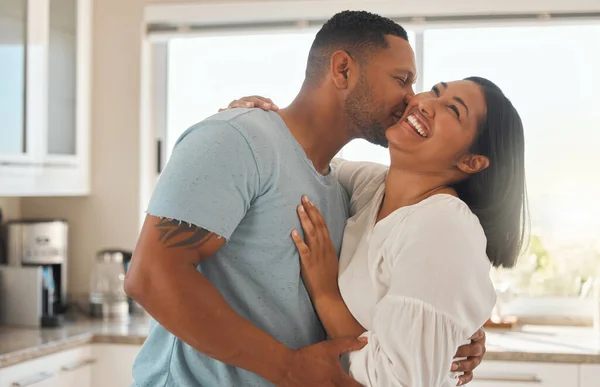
(549, 72)
(551, 75)
(206, 73)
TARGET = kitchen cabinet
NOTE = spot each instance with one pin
(113, 364)
(95, 365)
(12, 78)
(69, 368)
(525, 374)
(589, 375)
(45, 113)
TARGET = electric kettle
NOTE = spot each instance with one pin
(108, 299)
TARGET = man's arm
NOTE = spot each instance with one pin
(163, 279)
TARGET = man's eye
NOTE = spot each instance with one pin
(401, 80)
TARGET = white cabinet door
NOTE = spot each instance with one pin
(63, 369)
(113, 364)
(589, 375)
(44, 138)
(525, 374)
(13, 146)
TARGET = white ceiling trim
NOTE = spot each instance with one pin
(244, 12)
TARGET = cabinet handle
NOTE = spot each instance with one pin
(30, 381)
(511, 378)
(76, 366)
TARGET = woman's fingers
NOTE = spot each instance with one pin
(310, 233)
(315, 216)
(302, 247)
(253, 101)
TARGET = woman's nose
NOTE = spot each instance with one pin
(426, 108)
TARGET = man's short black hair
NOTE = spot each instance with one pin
(359, 33)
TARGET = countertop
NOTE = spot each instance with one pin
(21, 344)
(527, 343)
(544, 344)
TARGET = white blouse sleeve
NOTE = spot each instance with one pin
(360, 179)
(439, 294)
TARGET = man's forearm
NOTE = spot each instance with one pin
(337, 319)
(183, 301)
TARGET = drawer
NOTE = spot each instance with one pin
(69, 368)
(525, 374)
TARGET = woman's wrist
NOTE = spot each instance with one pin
(336, 318)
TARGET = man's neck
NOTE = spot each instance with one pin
(317, 123)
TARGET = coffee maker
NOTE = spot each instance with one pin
(41, 246)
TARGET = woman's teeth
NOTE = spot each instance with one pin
(416, 126)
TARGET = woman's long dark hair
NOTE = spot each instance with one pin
(497, 195)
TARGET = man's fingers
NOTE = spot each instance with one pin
(475, 349)
(347, 344)
(466, 365)
(464, 379)
(347, 381)
(479, 335)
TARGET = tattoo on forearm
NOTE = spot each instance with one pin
(174, 233)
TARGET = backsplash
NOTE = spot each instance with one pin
(11, 207)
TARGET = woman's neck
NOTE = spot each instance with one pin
(404, 188)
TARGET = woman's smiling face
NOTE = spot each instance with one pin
(438, 128)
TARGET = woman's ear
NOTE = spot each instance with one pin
(471, 163)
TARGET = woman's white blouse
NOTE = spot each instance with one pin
(418, 281)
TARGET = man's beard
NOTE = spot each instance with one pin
(360, 110)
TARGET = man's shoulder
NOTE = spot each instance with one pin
(260, 130)
(257, 124)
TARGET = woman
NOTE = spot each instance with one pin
(451, 202)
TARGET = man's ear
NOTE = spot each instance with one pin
(342, 68)
(471, 163)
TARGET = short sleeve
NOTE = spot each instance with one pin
(210, 180)
(360, 179)
(439, 294)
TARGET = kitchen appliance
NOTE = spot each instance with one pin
(108, 299)
(27, 297)
(43, 244)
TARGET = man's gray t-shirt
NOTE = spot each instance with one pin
(241, 175)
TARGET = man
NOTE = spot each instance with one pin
(215, 265)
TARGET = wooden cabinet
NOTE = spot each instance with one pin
(589, 375)
(525, 374)
(45, 48)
